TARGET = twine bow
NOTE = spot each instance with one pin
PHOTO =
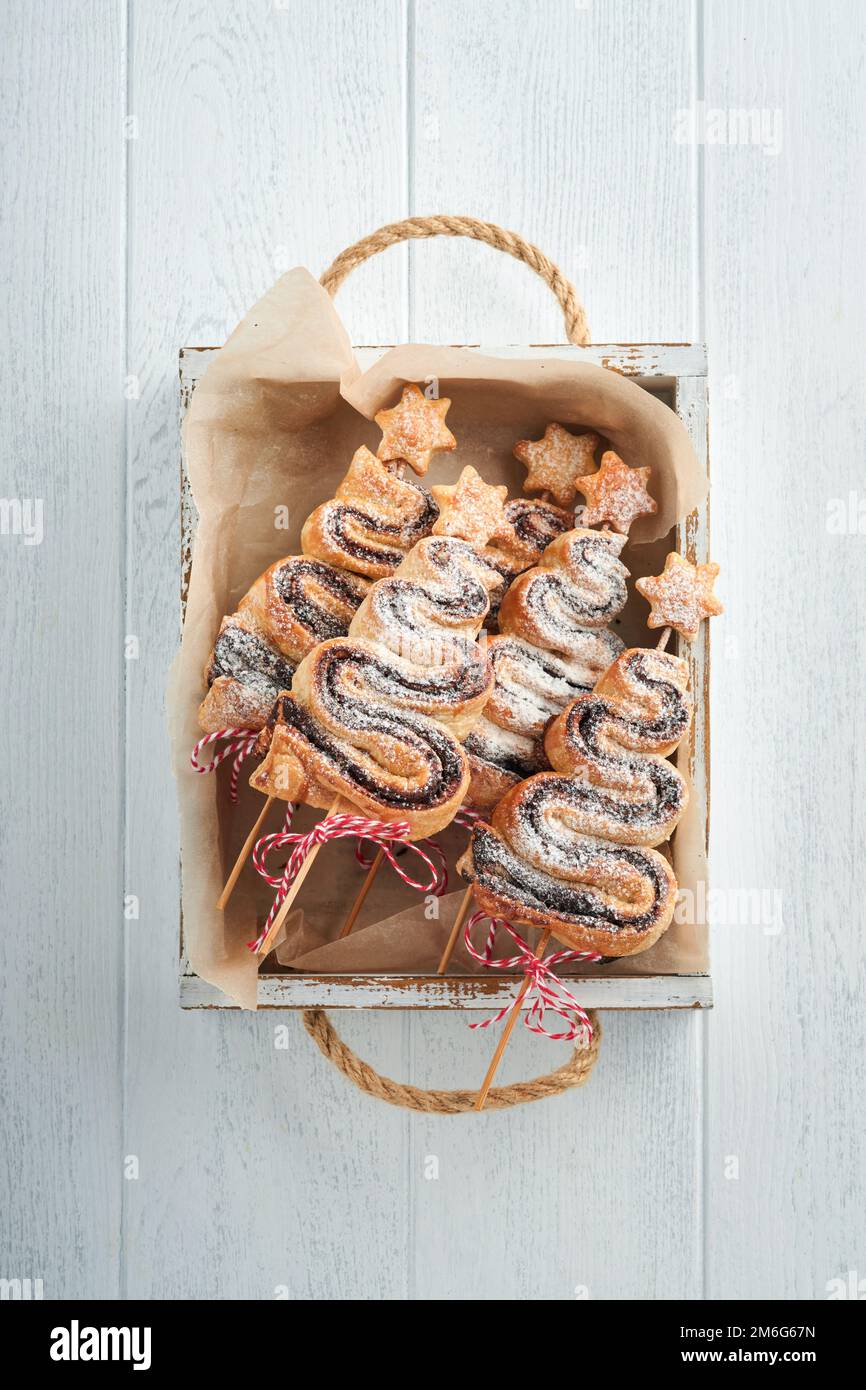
(546, 990)
(367, 860)
(239, 745)
(383, 834)
(465, 818)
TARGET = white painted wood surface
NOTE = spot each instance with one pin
(480, 993)
(267, 134)
(785, 289)
(61, 746)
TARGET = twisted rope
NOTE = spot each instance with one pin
(574, 1072)
(415, 228)
(440, 888)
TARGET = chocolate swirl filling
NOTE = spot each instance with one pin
(574, 846)
(519, 886)
(588, 720)
(339, 517)
(553, 648)
(614, 791)
(297, 583)
(437, 759)
(407, 606)
(532, 526)
(346, 672)
(535, 523)
(508, 753)
(250, 661)
(257, 664)
(532, 685)
(617, 790)
(591, 593)
(660, 799)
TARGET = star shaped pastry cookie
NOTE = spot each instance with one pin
(681, 596)
(616, 494)
(555, 462)
(414, 429)
(471, 509)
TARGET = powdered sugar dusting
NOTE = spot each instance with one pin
(471, 509)
(415, 429)
(681, 596)
(555, 462)
(616, 494)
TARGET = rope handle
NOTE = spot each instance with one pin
(415, 228)
(575, 1072)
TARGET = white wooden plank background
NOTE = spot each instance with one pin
(785, 293)
(62, 432)
(263, 134)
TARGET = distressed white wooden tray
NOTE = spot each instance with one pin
(677, 372)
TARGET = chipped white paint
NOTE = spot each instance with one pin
(430, 992)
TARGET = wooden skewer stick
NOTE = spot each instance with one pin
(338, 806)
(508, 1029)
(243, 856)
(359, 901)
(663, 640)
(455, 930)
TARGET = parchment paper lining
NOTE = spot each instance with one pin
(270, 432)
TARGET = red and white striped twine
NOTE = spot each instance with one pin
(465, 817)
(383, 834)
(239, 745)
(365, 859)
(546, 990)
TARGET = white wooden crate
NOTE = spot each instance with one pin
(677, 372)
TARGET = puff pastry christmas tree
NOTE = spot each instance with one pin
(681, 597)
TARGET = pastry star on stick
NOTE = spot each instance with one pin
(471, 510)
(681, 596)
(616, 494)
(556, 461)
(414, 429)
